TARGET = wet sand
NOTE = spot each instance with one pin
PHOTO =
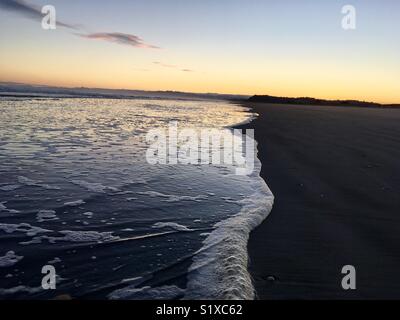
(335, 174)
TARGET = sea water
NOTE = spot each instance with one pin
(77, 193)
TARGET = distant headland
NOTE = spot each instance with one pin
(319, 102)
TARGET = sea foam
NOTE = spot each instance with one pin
(94, 187)
(3, 208)
(172, 225)
(26, 228)
(9, 259)
(172, 197)
(75, 236)
(33, 183)
(147, 293)
(219, 268)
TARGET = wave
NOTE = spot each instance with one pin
(251, 116)
(219, 268)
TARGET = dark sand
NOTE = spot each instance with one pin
(335, 174)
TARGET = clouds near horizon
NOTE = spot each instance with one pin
(164, 65)
(119, 38)
(33, 12)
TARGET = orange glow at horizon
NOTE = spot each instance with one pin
(92, 67)
(358, 87)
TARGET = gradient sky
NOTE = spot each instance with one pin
(280, 47)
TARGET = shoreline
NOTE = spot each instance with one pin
(225, 275)
(334, 173)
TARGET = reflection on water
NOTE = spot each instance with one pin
(76, 192)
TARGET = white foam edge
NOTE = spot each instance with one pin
(251, 116)
(220, 268)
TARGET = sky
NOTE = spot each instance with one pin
(277, 47)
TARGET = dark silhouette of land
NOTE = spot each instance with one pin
(12, 89)
(318, 102)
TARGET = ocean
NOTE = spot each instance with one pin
(77, 193)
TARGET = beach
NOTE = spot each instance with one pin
(335, 175)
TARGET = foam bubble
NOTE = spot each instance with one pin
(10, 187)
(33, 183)
(147, 293)
(74, 203)
(20, 289)
(22, 227)
(173, 225)
(88, 214)
(4, 208)
(173, 198)
(46, 215)
(75, 236)
(94, 187)
(54, 261)
(9, 259)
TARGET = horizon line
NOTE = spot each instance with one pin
(196, 93)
